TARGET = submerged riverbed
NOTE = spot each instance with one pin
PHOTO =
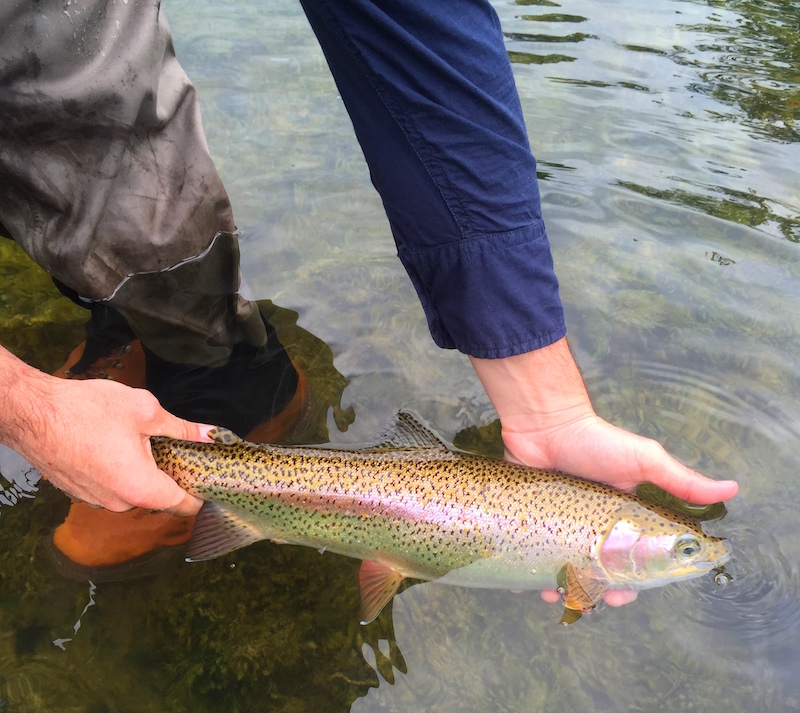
(668, 148)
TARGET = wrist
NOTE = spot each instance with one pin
(537, 390)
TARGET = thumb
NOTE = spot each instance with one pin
(693, 487)
(183, 430)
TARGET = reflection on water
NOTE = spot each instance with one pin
(17, 478)
(744, 54)
(749, 59)
(745, 207)
(668, 147)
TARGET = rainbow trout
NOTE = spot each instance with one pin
(410, 507)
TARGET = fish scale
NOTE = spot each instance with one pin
(413, 508)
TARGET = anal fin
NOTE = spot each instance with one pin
(378, 583)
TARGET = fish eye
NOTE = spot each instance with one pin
(687, 545)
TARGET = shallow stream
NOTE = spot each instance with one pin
(668, 148)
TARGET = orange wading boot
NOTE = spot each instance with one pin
(94, 543)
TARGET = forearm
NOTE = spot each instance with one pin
(107, 180)
(436, 111)
(21, 389)
(528, 389)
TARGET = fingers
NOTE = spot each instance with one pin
(151, 418)
(663, 470)
(188, 506)
(613, 597)
(161, 422)
(174, 427)
(595, 449)
(155, 490)
(619, 597)
(162, 491)
(695, 488)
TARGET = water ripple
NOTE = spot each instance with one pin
(762, 599)
(700, 399)
(738, 428)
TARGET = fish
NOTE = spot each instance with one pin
(411, 507)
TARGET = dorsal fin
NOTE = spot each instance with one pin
(407, 433)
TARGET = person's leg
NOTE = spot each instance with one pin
(430, 91)
(107, 182)
(105, 175)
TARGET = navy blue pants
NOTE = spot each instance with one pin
(429, 88)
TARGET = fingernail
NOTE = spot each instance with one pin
(207, 433)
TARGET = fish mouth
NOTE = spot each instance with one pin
(722, 553)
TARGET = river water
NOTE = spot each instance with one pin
(668, 150)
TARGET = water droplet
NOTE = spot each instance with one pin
(722, 578)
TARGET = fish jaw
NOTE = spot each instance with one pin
(648, 546)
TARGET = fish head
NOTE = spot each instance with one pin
(648, 545)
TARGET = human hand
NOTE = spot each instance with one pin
(91, 438)
(548, 422)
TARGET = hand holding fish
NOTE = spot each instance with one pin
(548, 422)
(88, 437)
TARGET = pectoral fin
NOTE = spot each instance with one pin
(378, 583)
(570, 616)
(582, 592)
(218, 531)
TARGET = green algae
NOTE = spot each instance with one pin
(736, 206)
(36, 322)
